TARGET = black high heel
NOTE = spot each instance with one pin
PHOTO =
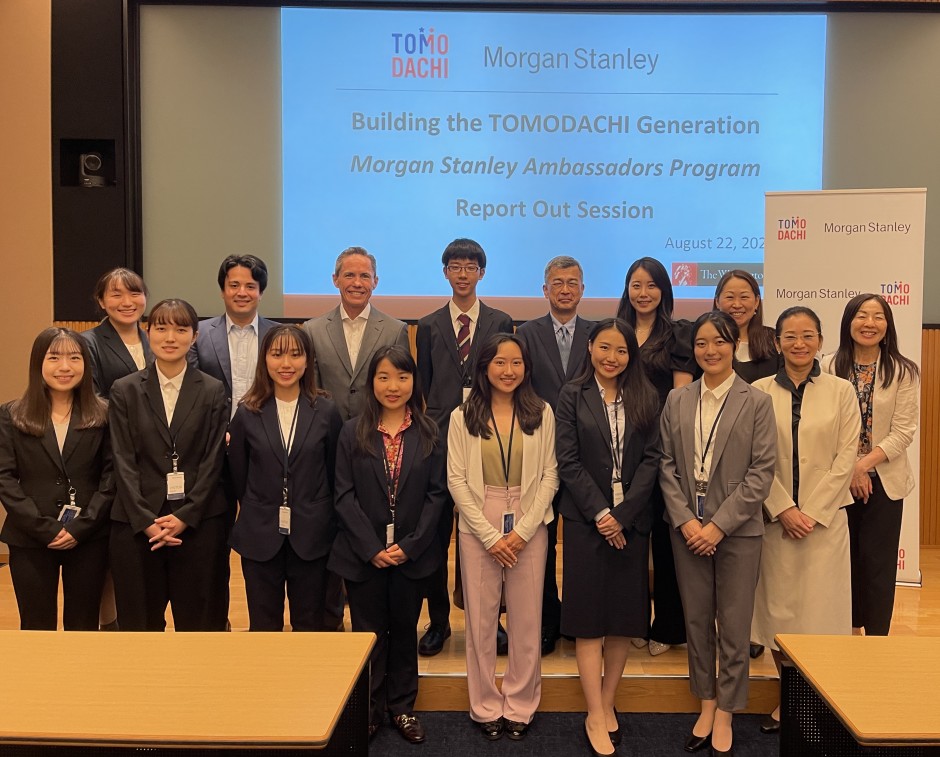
(697, 743)
(615, 736)
(591, 749)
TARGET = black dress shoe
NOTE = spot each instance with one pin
(615, 736)
(373, 729)
(433, 640)
(769, 725)
(695, 743)
(549, 640)
(492, 730)
(502, 640)
(591, 750)
(516, 730)
(719, 753)
(756, 651)
(410, 728)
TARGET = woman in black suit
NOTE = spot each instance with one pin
(55, 484)
(390, 493)
(608, 460)
(118, 344)
(282, 454)
(738, 295)
(168, 522)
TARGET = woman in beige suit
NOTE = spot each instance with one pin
(805, 584)
(719, 444)
(888, 388)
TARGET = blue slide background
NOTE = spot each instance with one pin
(336, 62)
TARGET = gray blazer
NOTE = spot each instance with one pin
(334, 372)
(742, 468)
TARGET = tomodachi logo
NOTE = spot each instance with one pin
(684, 274)
(420, 56)
(791, 229)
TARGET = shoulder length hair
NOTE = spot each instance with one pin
(32, 413)
(656, 348)
(640, 398)
(891, 362)
(477, 410)
(760, 342)
(368, 420)
(283, 338)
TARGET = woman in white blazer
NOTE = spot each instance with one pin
(887, 385)
(805, 584)
(502, 476)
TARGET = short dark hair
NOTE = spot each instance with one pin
(132, 281)
(259, 271)
(724, 324)
(794, 311)
(283, 336)
(464, 248)
(174, 311)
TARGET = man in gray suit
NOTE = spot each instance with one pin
(346, 338)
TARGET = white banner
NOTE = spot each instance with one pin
(822, 249)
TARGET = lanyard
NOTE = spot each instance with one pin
(701, 432)
(504, 458)
(65, 473)
(616, 440)
(285, 444)
(393, 474)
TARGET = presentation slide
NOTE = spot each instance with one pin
(606, 137)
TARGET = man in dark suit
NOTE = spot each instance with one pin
(227, 349)
(557, 344)
(448, 341)
(346, 338)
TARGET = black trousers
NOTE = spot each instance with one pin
(306, 585)
(551, 605)
(435, 585)
(874, 534)
(189, 577)
(388, 605)
(35, 574)
(668, 625)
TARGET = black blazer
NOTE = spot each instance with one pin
(110, 358)
(362, 507)
(143, 443)
(758, 369)
(256, 463)
(442, 376)
(33, 486)
(583, 451)
(548, 377)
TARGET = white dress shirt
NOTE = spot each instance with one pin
(170, 388)
(473, 313)
(710, 402)
(354, 328)
(616, 423)
(285, 419)
(243, 356)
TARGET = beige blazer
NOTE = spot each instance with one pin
(465, 479)
(829, 428)
(894, 417)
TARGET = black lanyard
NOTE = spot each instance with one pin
(393, 473)
(616, 441)
(701, 430)
(65, 473)
(505, 459)
(285, 444)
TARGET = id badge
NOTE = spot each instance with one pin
(509, 520)
(283, 520)
(701, 489)
(68, 513)
(389, 535)
(176, 485)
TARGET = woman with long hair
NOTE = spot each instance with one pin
(502, 476)
(805, 582)
(738, 295)
(56, 487)
(608, 461)
(646, 305)
(168, 524)
(390, 494)
(281, 456)
(719, 446)
(887, 385)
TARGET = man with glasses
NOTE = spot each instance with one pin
(557, 344)
(448, 341)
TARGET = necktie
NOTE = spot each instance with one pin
(463, 337)
(564, 347)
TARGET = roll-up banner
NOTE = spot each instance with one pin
(822, 249)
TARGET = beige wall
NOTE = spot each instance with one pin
(25, 192)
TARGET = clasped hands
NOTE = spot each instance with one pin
(389, 557)
(165, 532)
(63, 540)
(701, 540)
(795, 524)
(506, 550)
(609, 527)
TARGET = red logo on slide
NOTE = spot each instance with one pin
(420, 56)
(684, 274)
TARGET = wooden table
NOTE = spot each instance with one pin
(860, 695)
(232, 691)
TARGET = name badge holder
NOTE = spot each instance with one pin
(71, 511)
(283, 512)
(175, 480)
(392, 475)
(505, 459)
(616, 454)
(701, 480)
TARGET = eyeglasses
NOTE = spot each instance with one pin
(808, 337)
(451, 268)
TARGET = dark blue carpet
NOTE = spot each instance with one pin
(561, 734)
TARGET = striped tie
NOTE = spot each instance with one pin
(463, 337)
